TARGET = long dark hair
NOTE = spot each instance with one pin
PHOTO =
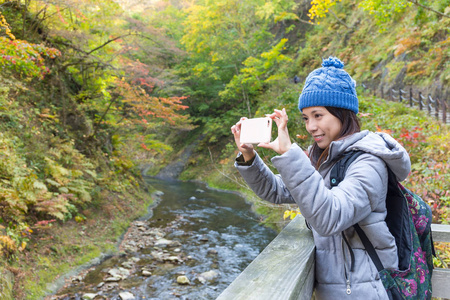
(350, 125)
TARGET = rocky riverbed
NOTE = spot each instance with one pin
(128, 269)
(192, 247)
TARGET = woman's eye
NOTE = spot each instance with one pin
(317, 116)
(305, 119)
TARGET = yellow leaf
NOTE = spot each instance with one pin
(23, 246)
(79, 219)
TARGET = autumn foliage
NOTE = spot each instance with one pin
(21, 57)
(79, 106)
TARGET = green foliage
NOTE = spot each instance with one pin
(219, 36)
(36, 181)
(256, 73)
(385, 12)
(280, 10)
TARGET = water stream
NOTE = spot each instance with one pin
(202, 235)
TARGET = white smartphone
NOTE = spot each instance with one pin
(255, 131)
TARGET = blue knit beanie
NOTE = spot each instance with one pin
(329, 86)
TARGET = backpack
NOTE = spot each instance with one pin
(409, 221)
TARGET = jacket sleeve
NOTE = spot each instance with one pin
(264, 182)
(329, 212)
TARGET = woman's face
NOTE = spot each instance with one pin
(322, 125)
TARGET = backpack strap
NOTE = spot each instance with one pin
(337, 174)
(369, 247)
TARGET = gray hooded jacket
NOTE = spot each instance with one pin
(359, 198)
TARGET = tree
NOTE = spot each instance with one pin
(219, 36)
(255, 73)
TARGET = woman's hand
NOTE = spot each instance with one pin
(283, 142)
(246, 149)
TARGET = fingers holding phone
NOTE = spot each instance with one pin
(283, 142)
(259, 131)
(236, 131)
(246, 149)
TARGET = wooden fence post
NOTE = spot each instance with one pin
(420, 101)
(439, 105)
(444, 111)
(436, 108)
(410, 97)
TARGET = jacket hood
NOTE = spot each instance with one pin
(379, 144)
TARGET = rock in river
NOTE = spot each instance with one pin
(126, 296)
(183, 280)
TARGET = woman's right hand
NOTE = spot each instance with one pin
(247, 150)
(282, 143)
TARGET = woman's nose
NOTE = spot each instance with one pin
(311, 126)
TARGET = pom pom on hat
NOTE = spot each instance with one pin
(333, 62)
(329, 86)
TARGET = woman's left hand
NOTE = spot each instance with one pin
(283, 142)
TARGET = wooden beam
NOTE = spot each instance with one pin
(441, 277)
(441, 233)
(441, 283)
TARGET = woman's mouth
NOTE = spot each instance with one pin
(318, 138)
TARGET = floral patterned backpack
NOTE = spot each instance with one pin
(409, 221)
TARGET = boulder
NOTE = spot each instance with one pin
(113, 279)
(183, 280)
(126, 296)
(173, 259)
(119, 272)
(88, 296)
(158, 193)
(208, 276)
(162, 242)
(140, 224)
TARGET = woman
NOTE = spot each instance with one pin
(329, 105)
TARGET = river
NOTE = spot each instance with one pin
(203, 236)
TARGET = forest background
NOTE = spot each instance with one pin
(93, 92)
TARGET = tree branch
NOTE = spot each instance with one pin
(107, 42)
(307, 22)
(119, 37)
(428, 8)
(235, 180)
(71, 46)
(97, 124)
(337, 18)
(304, 21)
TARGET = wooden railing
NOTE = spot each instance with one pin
(434, 106)
(285, 269)
(441, 277)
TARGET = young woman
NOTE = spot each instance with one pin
(329, 105)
